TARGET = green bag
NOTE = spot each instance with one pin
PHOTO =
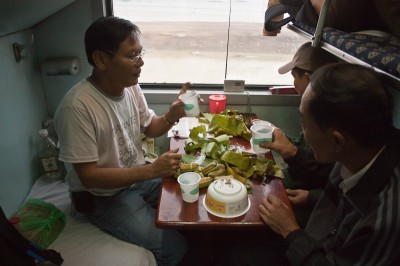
(39, 221)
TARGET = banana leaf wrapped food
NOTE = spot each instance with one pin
(229, 122)
(211, 148)
(219, 158)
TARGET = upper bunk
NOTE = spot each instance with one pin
(375, 48)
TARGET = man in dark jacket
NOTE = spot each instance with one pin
(306, 177)
(347, 118)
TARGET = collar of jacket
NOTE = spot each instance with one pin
(376, 178)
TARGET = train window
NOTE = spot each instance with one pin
(207, 41)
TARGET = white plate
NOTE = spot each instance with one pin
(226, 215)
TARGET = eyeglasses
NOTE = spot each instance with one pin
(133, 58)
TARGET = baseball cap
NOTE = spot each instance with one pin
(308, 58)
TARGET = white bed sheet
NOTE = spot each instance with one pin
(81, 243)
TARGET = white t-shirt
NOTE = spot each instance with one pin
(95, 127)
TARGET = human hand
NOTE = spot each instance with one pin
(167, 164)
(281, 144)
(271, 33)
(297, 196)
(278, 216)
(317, 5)
(184, 88)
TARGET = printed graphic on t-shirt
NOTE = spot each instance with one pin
(127, 155)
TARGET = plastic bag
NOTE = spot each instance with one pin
(39, 221)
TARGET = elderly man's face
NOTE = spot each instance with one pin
(124, 67)
(322, 143)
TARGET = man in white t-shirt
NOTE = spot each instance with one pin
(99, 124)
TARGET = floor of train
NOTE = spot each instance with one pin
(204, 244)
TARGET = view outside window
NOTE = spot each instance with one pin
(207, 41)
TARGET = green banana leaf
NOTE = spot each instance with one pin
(230, 123)
(222, 139)
(188, 158)
(237, 159)
(218, 150)
(213, 150)
(260, 168)
(207, 117)
(197, 133)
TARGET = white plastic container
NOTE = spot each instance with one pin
(191, 103)
(226, 198)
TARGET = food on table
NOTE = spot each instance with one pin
(205, 182)
(222, 159)
(228, 122)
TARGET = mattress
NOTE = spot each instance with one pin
(81, 243)
(381, 52)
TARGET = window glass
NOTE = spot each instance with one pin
(207, 41)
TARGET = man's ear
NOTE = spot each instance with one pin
(307, 75)
(339, 140)
(99, 59)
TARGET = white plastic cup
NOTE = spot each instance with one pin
(191, 103)
(260, 122)
(189, 183)
(260, 133)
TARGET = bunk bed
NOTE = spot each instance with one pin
(377, 49)
(382, 52)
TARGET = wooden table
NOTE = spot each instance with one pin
(173, 212)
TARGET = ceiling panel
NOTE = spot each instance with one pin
(17, 15)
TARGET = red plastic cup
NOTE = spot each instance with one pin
(217, 103)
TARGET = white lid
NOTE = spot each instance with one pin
(227, 186)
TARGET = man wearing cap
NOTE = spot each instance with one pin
(307, 177)
(305, 61)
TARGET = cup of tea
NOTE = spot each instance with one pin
(261, 133)
(257, 121)
(191, 103)
(189, 183)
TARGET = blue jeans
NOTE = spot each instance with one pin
(130, 216)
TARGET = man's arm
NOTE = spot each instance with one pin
(161, 124)
(303, 167)
(93, 176)
(301, 247)
(317, 4)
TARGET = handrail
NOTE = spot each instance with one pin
(320, 24)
